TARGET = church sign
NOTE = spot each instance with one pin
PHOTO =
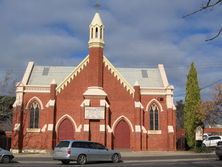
(94, 112)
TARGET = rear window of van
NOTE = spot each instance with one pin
(63, 144)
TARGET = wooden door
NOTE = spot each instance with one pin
(66, 130)
(122, 135)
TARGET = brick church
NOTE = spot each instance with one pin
(122, 108)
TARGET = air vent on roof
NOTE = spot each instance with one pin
(144, 73)
(45, 71)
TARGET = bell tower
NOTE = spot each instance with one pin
(96, 45)
(96, 32)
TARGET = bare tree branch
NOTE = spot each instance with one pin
(217, 35)
(208, 5)
(205, 6)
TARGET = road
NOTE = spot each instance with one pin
(187, 163)
(157, 161)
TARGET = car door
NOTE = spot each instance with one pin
(101, 152)
(215, 140)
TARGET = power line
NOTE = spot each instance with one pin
(204, 87)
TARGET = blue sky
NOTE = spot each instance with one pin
(138, 33)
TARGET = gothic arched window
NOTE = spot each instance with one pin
(101, 32)
(154, 117)
(92, 33)
(34, 115)
(97, 32)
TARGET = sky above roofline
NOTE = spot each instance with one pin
(140, 34)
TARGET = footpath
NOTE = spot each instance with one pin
(128, 156)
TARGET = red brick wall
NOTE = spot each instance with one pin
(121, 103)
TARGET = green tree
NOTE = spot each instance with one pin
(6, 103)
(179, 114)
(191, 106)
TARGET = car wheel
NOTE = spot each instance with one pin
(6, 159)
(204, 145)
(115, 158)
(65, 161)
(81, 159)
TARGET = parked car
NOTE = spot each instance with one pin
(83, 152)
(211, 141)
(5, 156)
(219, 150)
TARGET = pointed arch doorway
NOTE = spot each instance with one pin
(66, 130)
(122, 135)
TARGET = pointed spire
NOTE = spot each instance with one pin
(96, 20)
(96, 32)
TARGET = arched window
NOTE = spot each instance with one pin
(154, 117)
(34, 115)
(101, 32)
(97, 32)
(92, 33)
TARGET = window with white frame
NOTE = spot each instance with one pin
(154, 117)
(34, 115)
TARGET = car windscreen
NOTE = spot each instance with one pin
(63, 144)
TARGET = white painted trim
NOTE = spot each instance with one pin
(118, 76)
(50, 127)
(95, 91)
(17, 127)
(37, 88)
(102, 128)
(73, 74)
(119, 119)
(28, 72)
(33, 130)
(154, 101)
(44, 128)
(104, 103)
(169, 97)
(109, 129)
(34, 99)
(137, 128)
(86, 102)
(64, 117)
(144, 129)
(163, 75)
(153, 91)
(86, 127)
(79, 128)
(51, 103)
(138, 105)
(170, 129)
(19, 94)
(154, 132)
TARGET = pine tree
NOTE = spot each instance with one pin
(191, 106)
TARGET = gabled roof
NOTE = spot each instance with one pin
(146, 77)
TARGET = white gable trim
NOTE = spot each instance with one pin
(118, 75)
(119, 119)
(72, 75)
(32, 99)
(163, 75)
(27, 73)
(68, 117)
(154, 101)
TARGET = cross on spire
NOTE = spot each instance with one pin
(97, 5)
